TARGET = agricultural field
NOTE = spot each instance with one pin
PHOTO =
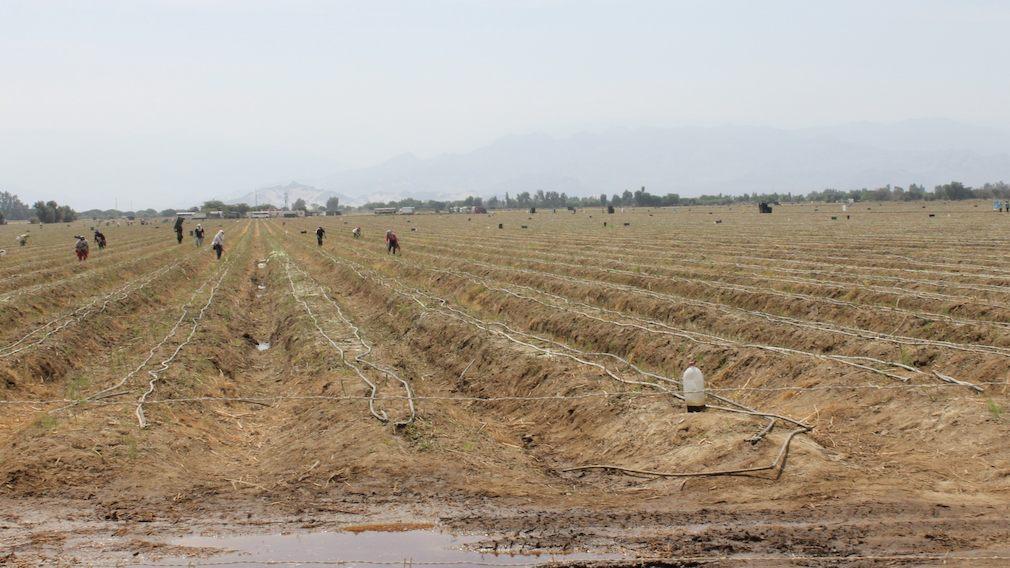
(514, 378)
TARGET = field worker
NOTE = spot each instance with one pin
(100, 239)
(392, 243)
(81, 248)
(218, 243)
(320, 233)
(23, 239)
(356, 233)
(198, 235)
(178, 229)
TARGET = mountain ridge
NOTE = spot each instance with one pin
(691, 160)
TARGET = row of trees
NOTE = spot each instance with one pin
(52, 212)
(12, 209)
(952, 191)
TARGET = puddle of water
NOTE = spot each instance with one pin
(263, 346)
(397, 548)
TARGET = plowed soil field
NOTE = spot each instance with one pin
(516, 378)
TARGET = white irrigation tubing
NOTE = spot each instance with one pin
(749, 253)
(7, 297)
(819, 326)
(604, 394)
(367, 349)
(166, 363)
(378, 414)
(567, 350)
(709, 339)
(150, 354)
(758, 241)
(486, 327)
(542, 254)
(83, 312)
(480, 324)
(20, 271)
(739, 312)
(663, 254)
(719, 286)
(823, 326)
(777, 463)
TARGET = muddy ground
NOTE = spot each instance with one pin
(155, 392)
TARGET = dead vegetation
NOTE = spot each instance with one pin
(496, 377)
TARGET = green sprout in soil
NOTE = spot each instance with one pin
(994, 409)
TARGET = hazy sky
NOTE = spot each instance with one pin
(170, 102)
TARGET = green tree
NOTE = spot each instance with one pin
(299, 205)
(332, 204)
(52, 212)
(12, 208)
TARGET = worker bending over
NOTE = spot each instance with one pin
(178, 229)
(392, 243)
(320, 233)
(81, 248)
(218, 243)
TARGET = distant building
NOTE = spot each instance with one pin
(384, 210)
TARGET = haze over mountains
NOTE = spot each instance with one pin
(275, 195)
(686, 160)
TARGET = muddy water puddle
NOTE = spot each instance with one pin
(400, 548)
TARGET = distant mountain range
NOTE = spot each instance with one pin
(685, 160)
(275, 195)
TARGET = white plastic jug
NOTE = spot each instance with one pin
(693, 383)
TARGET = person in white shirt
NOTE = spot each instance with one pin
(218, 243)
